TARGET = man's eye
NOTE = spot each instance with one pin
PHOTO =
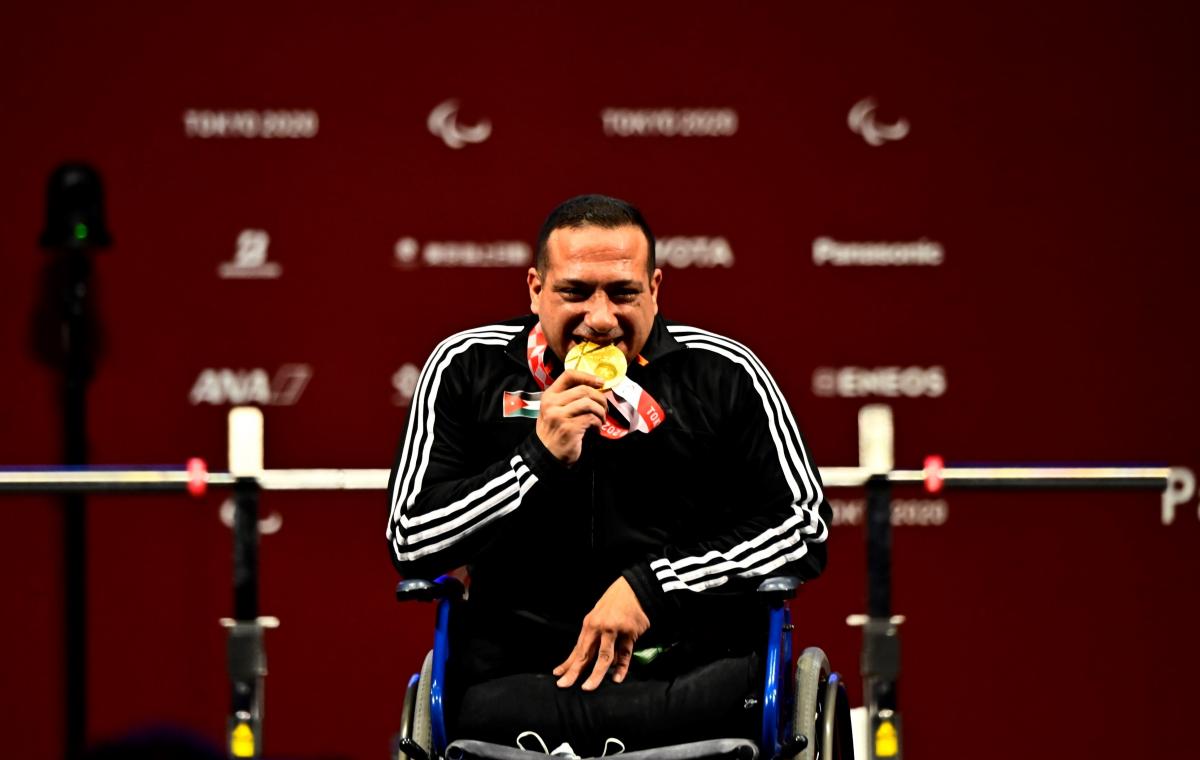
(574, 294)
(624, 296)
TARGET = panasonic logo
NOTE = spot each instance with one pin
(221, 386)
(669, 122)
(920, 253)
(886, 382)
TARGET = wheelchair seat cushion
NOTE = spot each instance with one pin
(706, 702)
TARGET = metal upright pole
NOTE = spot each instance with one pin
(64, 337)
(245, 549)
(881, 640)
(77, 372)
(880, 663)
(247, 655)
(246, 651)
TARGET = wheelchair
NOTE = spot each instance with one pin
(805, 712)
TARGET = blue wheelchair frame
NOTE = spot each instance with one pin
(776, 720)
(441, 654)
(777, 737)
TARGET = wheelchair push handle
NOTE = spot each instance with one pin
(779, 588)
(422, 590)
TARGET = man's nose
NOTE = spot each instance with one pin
(601, 316)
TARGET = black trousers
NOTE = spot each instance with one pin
(653, 707)
(500, 682)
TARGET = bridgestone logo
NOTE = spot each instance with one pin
(680, 252)
(250, 124)
(669, 122)
(920, 253)
(502, 254)
(436, 253)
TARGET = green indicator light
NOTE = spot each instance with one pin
(81, 231)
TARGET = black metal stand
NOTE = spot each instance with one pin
(245, 550)
(65, 337)
(246, 653)
(77, 367)
(881, 637)
(881, 640)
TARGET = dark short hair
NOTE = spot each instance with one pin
(593, 211)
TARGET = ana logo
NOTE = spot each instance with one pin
(250, 258)
(250, 386)
(443, 123)
(861, 121)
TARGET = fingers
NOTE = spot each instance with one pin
(562, 667)
(624, 657)
(575, 401)
(567, 412)
(604, 660)
(572, 378)
(580, 656)
(613, 652)
(577, 392)
(585, 406)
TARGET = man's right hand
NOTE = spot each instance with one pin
(572, 404)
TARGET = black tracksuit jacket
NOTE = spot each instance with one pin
(692, 514)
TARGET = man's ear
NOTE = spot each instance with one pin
(655, 281)
(534, 280)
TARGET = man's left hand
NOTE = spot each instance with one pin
(607, 636)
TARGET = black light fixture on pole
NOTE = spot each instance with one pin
(66, 336)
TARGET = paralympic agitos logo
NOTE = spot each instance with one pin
(443, 123)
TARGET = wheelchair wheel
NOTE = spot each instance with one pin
(415, 722)
(812, 673)
(837, 739)
(822, 713)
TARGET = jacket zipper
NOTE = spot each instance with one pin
(593, 502)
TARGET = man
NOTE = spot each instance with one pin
(613, 529)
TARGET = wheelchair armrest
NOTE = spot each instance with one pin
(779, 588)
(422, 590)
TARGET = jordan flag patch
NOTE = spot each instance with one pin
(522, 404)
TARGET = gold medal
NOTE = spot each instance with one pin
(605, 362)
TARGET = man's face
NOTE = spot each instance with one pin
(595, 288)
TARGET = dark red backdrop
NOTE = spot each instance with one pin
(1051, 153)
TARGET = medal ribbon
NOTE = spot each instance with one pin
(641, 412)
